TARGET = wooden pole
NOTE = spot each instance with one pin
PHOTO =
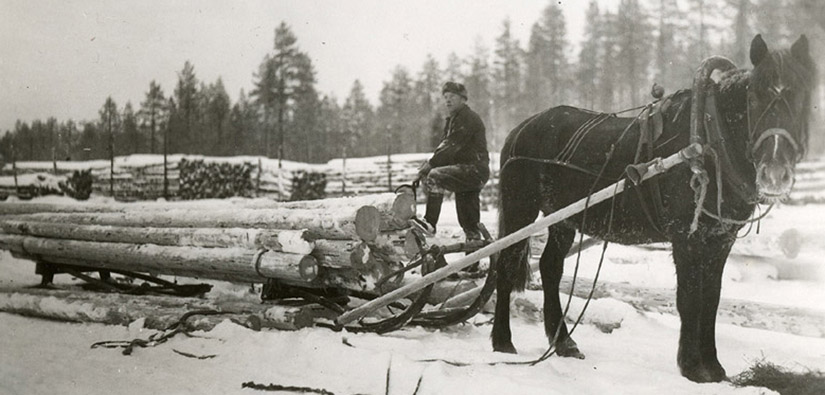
(465, 298)
(658, 167)
(111, 156)
(14, 168)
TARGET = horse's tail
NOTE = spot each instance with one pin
(513, 265)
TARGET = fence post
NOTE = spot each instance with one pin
(14, 168)
(258, 178)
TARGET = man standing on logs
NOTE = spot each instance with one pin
(459, 164)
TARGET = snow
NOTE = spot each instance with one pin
(637, 357)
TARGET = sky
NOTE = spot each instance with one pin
(63, 58)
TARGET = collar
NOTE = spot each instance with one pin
(458, 111)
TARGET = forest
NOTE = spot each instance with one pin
(610, 68)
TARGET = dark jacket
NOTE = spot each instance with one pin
(464, 141)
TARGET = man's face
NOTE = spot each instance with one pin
(452, 101)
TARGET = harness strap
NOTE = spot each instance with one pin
(778, 133)
(713, 129)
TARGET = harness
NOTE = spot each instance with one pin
(707, 130)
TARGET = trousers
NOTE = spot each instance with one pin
(466, 181)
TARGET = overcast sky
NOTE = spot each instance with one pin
(63, 58)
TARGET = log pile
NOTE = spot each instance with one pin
(202, 180)
(141, 176)
(341, 243)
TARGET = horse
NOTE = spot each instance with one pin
(560, 155)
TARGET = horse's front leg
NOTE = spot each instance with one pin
(712, 289)
(551, 264)
(699, 264)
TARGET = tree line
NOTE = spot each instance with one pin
(620, 55)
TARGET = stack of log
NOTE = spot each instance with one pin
(341, 243)
(210, 180)
(143, 182)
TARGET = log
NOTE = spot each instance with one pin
(397, 207)
(337, 223)
(292, 241)
(367, 223)
(158, 312)
(237, 264)
(608, 192)
(334, 253)
(375, 262)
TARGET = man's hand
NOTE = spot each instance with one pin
(424, 169)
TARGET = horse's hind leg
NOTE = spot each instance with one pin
(518, 208)
(551, 264)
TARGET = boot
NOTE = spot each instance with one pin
(471, 235)
(434, 201)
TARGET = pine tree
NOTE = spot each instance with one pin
(153, 113)
(589, 64)
(358, 121)
(452, 71)
(608, 76)
(478, 82)
(218, 107)
(275, 83)
(395, 98)
(507, 85)
(306, 137)
(741, 30)
(633, 56)
(243, 122)
(68, 135)
(182, 135)
(110, 123)
(131, 135)
(427, 93)
(92, 146)
(547, 66)
(23, 141)
(704, 27)
(53, 139)
(330, 126)
(668, 55)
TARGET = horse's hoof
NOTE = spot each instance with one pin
(505, 348)
(569, 349)
(702, 374)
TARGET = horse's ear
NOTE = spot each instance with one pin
(799, 49)
(758, 49)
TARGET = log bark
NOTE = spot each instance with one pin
(159, 312)
(396, 209)
(338, 223)
(233, 264)
(292, 241)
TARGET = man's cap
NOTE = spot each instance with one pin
(456, 88)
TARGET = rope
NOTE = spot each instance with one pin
(179, 326)
(699, 184)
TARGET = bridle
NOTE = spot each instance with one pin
(777, 133)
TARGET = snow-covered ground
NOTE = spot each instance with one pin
(46, 357)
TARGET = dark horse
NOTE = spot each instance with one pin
(558, 156)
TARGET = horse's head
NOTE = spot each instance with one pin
(779, 100)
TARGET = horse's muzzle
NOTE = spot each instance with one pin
(774, 181)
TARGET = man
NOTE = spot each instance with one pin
(459, 164)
